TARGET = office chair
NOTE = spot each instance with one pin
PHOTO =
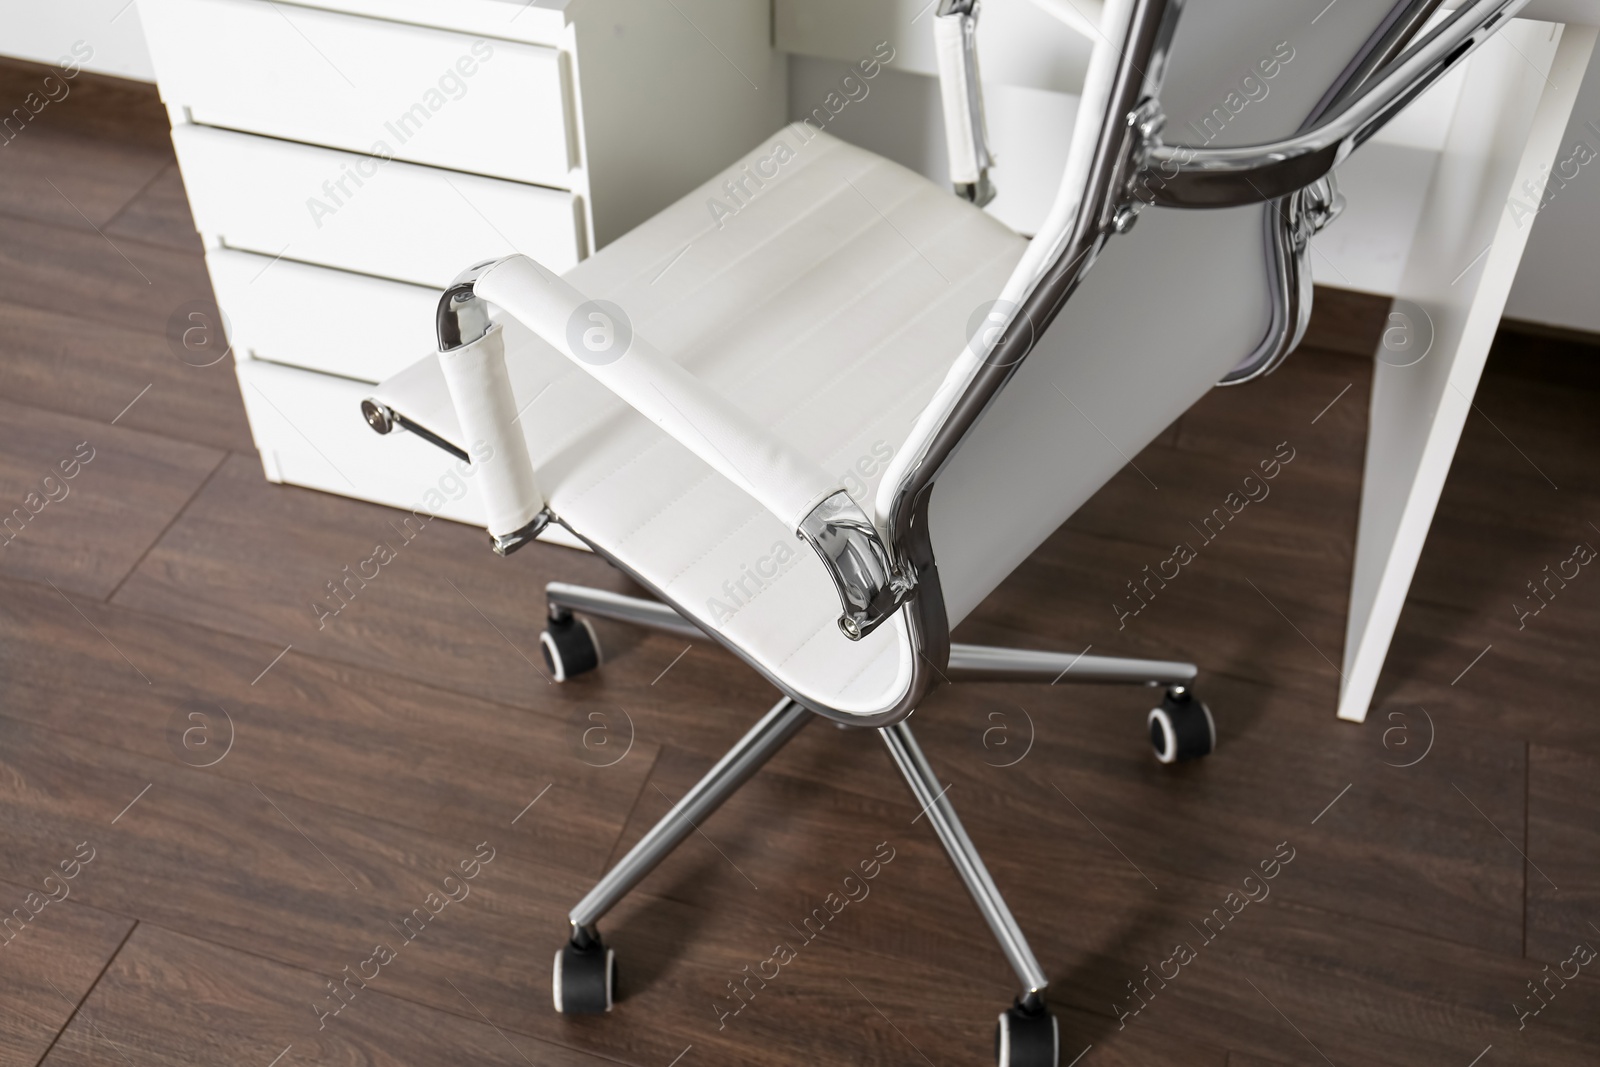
(822, 423)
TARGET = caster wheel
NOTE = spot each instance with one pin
(585, 979)
(1027, 1037)
(569, 647)
(1182, 727)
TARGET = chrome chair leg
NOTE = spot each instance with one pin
(984, 663)
(964, 856)
(757, 746)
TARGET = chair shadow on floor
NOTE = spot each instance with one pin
(661, 922)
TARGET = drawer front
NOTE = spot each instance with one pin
(391, 220)
(309, 430)
(534, 21)
(362, 84)
(319, 318)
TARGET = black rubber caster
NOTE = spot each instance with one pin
(1027, 1037)
(570, 647)
(585, 978)
(1182, 728)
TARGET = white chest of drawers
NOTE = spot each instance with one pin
(344, 159)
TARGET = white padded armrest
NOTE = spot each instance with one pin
(775, 474)
(961, 97)
(480, 391)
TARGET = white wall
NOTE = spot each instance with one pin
(46, 30)
(1559, 283)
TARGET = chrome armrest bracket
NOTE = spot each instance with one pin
(977, 193)
(463, 315)
(1313, 208)
(869, 587)
(506, 544)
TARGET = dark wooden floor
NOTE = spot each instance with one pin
(260, 819)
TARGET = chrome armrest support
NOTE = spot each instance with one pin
(462, 319)
(955, 30)
(1187, 176)
(463, 315)
(1313, 208)
(869, 587)
(505, 544)
(1290, 226)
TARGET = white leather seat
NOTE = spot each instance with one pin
(828, 305)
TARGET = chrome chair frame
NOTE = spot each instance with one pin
(964, 663)
(880, 573)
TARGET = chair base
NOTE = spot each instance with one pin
(984, 663)
(1027, 1034)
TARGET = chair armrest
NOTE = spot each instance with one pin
(790, 486)
(961, 98)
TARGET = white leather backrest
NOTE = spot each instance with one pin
(1263, 66)
(1166, 311)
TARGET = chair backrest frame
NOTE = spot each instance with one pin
(1116, 156)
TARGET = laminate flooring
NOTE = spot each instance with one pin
(213, 811)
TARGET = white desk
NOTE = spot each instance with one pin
(1506, 131)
